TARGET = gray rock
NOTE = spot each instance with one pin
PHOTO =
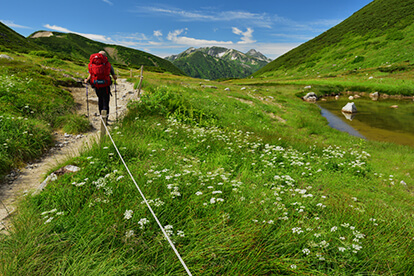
(310, 97)
(6, 57)
(349, 108)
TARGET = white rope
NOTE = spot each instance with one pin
(146, 202)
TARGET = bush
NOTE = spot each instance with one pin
(42, 54)
(358, 59)
(73, 123)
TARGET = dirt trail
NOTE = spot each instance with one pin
(66, 147)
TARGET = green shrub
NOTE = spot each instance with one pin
(395, 35)
(54, 62)
(358, 59)
(42, 54)
(21, 140)
(73, 123)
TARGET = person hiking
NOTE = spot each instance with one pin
(100, 72)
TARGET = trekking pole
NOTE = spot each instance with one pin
(116, 102)
(87, 102)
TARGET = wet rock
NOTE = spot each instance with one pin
(310, 97)
(374, 96)
(349, 108)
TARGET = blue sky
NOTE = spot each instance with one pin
(163, 27)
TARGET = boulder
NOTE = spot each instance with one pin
(349, 108)
(310, 97)
(6, 57)
(374, 96)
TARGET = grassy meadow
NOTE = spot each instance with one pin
(34, 102)
(250, 181)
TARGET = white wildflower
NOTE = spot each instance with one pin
(306, 251)
(128, 214)
(129, 233)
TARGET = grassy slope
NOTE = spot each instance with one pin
(81, 48)
(203, 66)
(251, 181)
(12, 41)
(376, 39)
(33, 103)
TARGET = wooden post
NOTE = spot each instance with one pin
(130, 73)
(140, 81)
(103, 129)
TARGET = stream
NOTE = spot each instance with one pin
(387, 120)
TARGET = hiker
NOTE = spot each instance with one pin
(100, 71)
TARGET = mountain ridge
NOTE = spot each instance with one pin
(75, 47)
(218, 62)
(379, 34)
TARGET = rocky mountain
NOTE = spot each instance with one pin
(218, 62)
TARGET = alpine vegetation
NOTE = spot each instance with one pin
(235, 199)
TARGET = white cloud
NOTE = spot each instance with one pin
(256, 19)
(108, 2)
(157, 33)
(11, 24)
(97, 37)
(247, 36)
(274, 50)
(57, 28)
(195, 42)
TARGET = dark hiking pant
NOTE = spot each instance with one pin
(103, 94)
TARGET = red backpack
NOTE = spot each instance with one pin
(100, 70)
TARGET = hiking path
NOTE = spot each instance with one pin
(28, 179)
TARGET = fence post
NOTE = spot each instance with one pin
(130, 73)
(140, 81)
(104, 121)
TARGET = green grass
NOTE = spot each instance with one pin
(32, 104)
(379, 37)
(239, 192)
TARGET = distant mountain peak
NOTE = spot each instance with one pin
(218, 62)
(256, 54)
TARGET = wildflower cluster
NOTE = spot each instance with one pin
(284, 201)
(48, 216)
(170, 233)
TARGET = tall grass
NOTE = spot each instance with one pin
(238, 192)
(32, 105)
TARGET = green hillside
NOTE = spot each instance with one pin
(79, 47)
(12, 41)
(380, 35)
(203, 66)
(218, 62)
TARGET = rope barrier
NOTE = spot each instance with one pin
(146, 202)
